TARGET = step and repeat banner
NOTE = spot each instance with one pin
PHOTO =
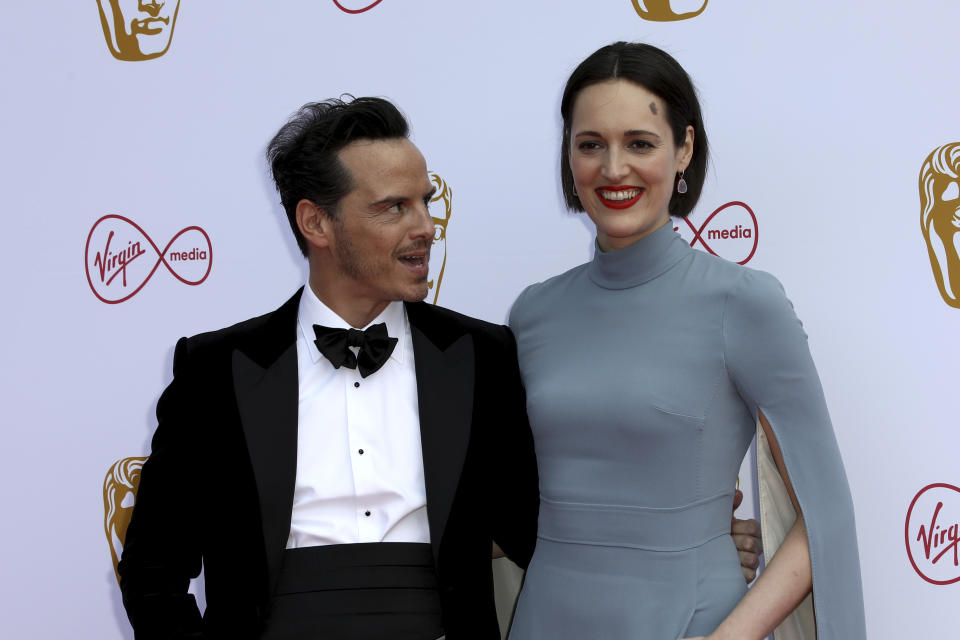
(137, 208)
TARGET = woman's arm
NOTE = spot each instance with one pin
(785, 582)
(768, 360)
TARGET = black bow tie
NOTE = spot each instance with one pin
(375, 347)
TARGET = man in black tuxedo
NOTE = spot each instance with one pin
(333, 482)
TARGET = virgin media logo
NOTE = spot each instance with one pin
(731, 232)
(931, 533)
(356, 6)
(120, 258)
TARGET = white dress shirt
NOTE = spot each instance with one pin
(359, 461)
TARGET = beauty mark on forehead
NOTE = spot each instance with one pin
(653, 108)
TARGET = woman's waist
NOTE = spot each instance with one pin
(670, 528)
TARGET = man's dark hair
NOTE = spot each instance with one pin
(303, 154)
(657, 72)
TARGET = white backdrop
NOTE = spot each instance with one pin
(820, 116)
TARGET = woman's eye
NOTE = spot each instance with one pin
(639, 145)
(588, 145)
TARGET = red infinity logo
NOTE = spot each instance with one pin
(366, 8)
(748, 230)
(932, 531)
(115, 245)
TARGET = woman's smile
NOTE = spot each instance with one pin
(619, 197)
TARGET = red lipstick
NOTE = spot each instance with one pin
(619, 204)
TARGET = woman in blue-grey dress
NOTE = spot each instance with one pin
(647, 371)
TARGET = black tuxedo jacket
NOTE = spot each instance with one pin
(218, 486)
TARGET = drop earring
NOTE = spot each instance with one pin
(681, 185)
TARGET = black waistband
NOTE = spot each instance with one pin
(356, 592)
(402, 565)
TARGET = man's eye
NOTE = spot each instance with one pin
(396, 207)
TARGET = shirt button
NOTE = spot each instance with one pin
(360, 452)
(356, 384)
(366, 513)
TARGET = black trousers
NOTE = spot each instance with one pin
(367, 591)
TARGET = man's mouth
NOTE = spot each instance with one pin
(619, 197)
(416, 262)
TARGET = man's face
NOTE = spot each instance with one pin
(138, 29)
(383, 229)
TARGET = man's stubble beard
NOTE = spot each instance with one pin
(355, 267)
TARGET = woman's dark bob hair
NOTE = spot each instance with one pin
(659, 73)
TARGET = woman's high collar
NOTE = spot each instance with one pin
(639, 262)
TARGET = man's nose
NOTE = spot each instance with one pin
(423, 225)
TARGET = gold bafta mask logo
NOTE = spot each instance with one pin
(940, 218)
(119, 493)
(661, 11)
(138, 29)
(438, 253)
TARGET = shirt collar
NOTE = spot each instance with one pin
(312, 311)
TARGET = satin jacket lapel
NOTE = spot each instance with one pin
(444, 361)
(265, 383)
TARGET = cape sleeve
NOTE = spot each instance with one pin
(769, 361)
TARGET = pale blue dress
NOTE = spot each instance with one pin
(644, 371)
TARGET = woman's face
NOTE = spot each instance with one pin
(624, 160)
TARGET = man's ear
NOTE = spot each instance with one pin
(314, 224)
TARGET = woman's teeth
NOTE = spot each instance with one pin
(624, 194)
